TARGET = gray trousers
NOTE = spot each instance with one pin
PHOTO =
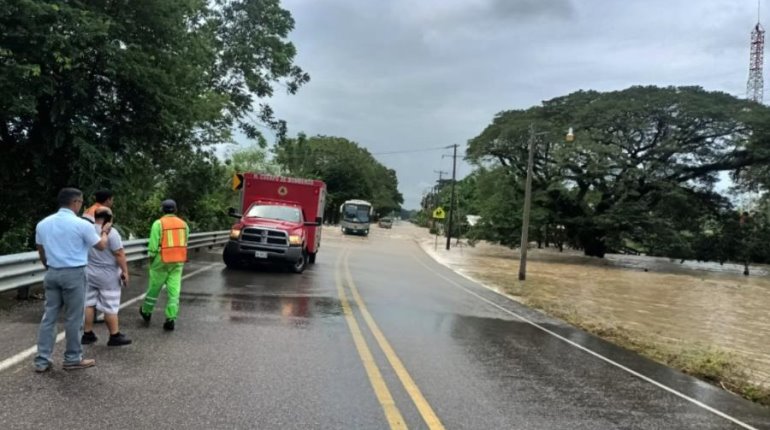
(64, 288)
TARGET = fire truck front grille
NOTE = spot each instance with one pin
(265, 236)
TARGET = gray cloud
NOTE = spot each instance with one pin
(399, 75)
(522, 8)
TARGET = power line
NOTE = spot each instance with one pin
(409, 151)
(406, 151)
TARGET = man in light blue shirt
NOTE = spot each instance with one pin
(63, 240)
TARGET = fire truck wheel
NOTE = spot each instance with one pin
(299, 265)
(231, 260)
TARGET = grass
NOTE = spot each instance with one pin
(710, 364)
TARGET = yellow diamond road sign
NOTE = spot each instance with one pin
(439, 213)
(237, 181)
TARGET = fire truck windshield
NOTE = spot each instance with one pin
(281, 213)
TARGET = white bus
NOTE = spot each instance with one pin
(356, 216)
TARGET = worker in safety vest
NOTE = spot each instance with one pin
(102, 199)
(168, 251)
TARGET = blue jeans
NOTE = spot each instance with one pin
(63, 288)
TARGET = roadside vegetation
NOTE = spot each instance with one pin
(350, 172)
(645, 174)
(132, 97)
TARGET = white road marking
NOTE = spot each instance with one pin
(23, 355)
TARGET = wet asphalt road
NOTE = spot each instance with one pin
(376, 335)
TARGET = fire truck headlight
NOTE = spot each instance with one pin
(295, 240)
(235, 233)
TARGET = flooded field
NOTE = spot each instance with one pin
(701, 304)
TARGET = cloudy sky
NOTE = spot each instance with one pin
(398, 75)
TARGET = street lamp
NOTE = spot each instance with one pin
(528, 198)
(570, 136)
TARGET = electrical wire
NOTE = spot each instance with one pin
(410, 151)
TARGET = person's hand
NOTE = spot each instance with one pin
(106, 227)
(124, 277)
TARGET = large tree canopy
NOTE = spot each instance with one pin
(643, 165)
(350, 172)
(117, 93)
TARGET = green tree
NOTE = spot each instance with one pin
(634, 149)
(349, 171)
(97, 94)
(466, 201)
(252, 159)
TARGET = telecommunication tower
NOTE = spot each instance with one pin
(756, 84)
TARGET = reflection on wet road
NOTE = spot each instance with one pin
(376, 335)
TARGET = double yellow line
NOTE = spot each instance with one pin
(392, 414)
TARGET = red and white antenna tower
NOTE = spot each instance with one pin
(755, 86)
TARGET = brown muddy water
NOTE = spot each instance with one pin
(703, 304)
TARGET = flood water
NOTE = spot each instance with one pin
(703, 304)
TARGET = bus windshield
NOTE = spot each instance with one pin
(356, 213)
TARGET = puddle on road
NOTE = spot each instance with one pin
(696, 303)
(297, 310)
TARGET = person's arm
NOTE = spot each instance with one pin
(120, 257)
(154, 243)
(104, 237)
(116, 246)
(40, 249)
(41, 253)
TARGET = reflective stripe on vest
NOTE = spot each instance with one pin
(173, 240)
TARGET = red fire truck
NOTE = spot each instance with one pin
(280, 221)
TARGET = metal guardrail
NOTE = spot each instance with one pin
(25, 269)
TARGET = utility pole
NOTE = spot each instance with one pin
(437, 187)
(435, 199)
(527, 204)
(452, 200)
(569, 138)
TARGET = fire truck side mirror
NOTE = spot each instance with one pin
(234, 213)
(318, 222)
